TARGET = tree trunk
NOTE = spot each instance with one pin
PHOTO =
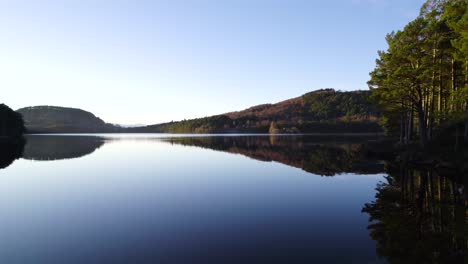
(422, 125)
(402, 127)
(465, 135)
(439, 105)
(454, 86)
(431, 113)
(432, 92)
(410, 123)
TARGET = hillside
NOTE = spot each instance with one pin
(322, 111)
(53, 119)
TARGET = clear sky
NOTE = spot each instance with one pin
(138, 61)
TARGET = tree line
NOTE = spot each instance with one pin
(420, 81)
(321, 111)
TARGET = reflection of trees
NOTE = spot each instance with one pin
(332, 159)
(420, 217)
(60, 147)
(10, 151)
(307, 153)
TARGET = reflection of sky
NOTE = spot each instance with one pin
(151, 197)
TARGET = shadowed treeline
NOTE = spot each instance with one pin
(319, 155)
(419, 216)
(11, 136)
(60, 147)
(11, 124)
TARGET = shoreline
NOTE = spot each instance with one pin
(435, 157)
(215, 134)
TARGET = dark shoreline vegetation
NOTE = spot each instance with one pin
(11, 136)
(11, 124)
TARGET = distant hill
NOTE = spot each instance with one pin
(322, 111)
(53, 119)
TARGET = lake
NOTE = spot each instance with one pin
(147, 198)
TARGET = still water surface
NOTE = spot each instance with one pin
(188, 199)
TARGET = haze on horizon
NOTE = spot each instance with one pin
(133, 62)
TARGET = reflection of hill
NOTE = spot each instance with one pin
(10, 151)
(308, 153)
(420, 217)
(60, 147)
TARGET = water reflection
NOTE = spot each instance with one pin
(316, 155)
(420, 216)
(143, 200)
(140, 196)
(60, 147)
(10, 151)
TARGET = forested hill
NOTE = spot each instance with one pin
(53, 119)
(322, 111)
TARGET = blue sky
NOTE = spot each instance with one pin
(138, 61)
